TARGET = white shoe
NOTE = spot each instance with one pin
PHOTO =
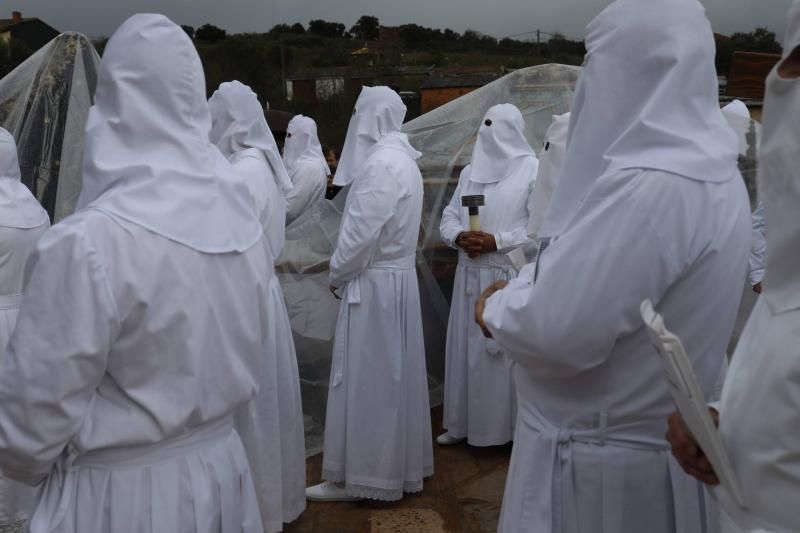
(329, 492)
(446, 439)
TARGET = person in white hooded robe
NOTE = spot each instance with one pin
(271, 427)
(22, 222)
(758, 414)
(479, 399)
(307, 167)
(240, 131)
(738, 117)
(144, 315)
(551, 160)
(378, 427)
(650, 204)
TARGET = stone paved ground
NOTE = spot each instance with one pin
(463, 496)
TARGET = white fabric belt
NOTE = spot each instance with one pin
(158, 452)
(558, 441)
(57, 492)
(352, 293)
(352, 296)
(10, 301)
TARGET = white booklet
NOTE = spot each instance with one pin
(689, 398)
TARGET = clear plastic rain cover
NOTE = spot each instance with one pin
(44, 103)
(446, 137)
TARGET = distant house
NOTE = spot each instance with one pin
(749, 71)
(319, 85)
(33, 33)
(442, 89)
(747, 79)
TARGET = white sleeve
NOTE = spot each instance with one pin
(758, 253)
(57, 355)
(372, 201)
(587, 295)
(451, 225)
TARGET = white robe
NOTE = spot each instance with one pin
(309, 184)
(271, 426)
(759, 416)
(378, 428)
(269, 201)
(480, 400)
(130, 357)
(589, 452)
(16, 246)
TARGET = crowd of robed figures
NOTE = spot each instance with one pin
(150, 381)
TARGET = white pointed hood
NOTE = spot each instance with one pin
(647, 98)
(551, 161)
(238, 123)
(379, 112)
(501, 146)
(302, 145)
(18, 207)
(779, 177)
(148, 159)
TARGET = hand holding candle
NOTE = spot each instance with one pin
(474, 203)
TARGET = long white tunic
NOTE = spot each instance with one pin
(759, 415)
(378, 428)
(480, 400)
(16, 246)
(130, 357)
(310, 182)
(271, 426)
(269, 200)
(589, 452)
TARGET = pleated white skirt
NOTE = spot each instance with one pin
(197, 483)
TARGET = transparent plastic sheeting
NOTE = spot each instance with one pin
(44, 103)
(446, 137)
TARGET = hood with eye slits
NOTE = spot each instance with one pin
(302, 144)
(551, 160)
(501, 146)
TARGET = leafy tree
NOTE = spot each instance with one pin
(189, 31)
(209, 33)
(334, 30)
(298, 28)
(280, 29)
(367, 28)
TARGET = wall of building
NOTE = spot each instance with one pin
(432, 98)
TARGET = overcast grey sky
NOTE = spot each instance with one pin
(495, 17)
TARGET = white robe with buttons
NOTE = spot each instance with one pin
(480, 400)
(378, 427)
(126, 341)
(589, 452)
